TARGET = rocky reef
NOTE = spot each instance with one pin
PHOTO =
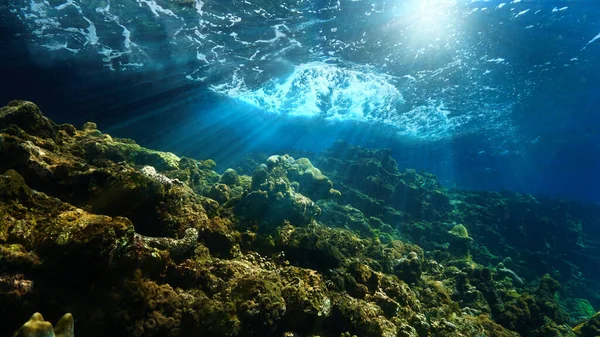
(137, 242)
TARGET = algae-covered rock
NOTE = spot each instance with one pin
(370, 181)
(176, 247)
(28, 117)
(348, 217)
(408, 268)
(196, 175)
(361, 318)
(310, 180)
(53, 224)
(307, 300)
(230, 177)
(590, 328)
(220, 193)
(272, 200)
(459, 231)
(118, 150)
(314, 246)
(156, 204)
(460, 241)
(37, 327)
(280, 191)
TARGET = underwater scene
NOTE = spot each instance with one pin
(300, 168)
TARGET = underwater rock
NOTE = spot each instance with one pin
(219, 236)
(55, 228)
(313, 247)
(156, 204)
(97, 146)
(259, 177)
(370, 181)
(15, 257)
(502, 270)
(37, 327)
(546, 298)
(408, 268)
(460, 241)
(176, 247)
(362, 318)
(150, 172)
(272, 200)
(591, 328)
(208, 164)
(14, 288)
(307, 301)
(230, 177)
(220, 193)
(348, 217)
(195, 174)
(309, 179)
(28, 117)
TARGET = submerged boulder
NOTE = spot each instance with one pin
(101, 175)
(37, 327)
(27, 116)
(274, 196)
(460, 241)
(590, 328)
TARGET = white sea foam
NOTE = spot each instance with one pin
(496, 60)
(58, 46)
(521, 13)
(321, 90)
(201, 57)
(156, 8)
(594, 39)
(198, 4)
(324, 90)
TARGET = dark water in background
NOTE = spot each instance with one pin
(485, 94)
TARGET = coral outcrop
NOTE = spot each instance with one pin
(275, 192)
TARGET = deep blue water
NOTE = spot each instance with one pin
(485, 94)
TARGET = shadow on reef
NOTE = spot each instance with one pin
(143, 243)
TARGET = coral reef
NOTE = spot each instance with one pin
(139, 242)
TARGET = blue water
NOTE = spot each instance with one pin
(485, 94)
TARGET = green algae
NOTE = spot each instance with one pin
(37, 327)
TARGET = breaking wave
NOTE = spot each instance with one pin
(323, 90)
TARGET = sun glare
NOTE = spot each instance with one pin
(434, 12)
(430, 19)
